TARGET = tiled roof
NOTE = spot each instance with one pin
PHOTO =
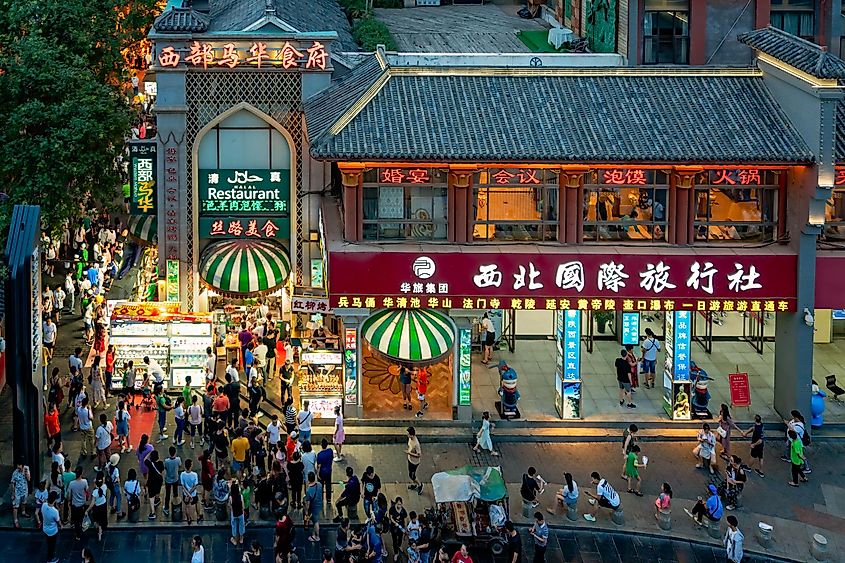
(181, 20)
(796, 52)
(314, 15)
(583, 115)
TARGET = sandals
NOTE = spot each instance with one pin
(791, 484)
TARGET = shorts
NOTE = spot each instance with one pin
(304, 436)
(649, 366)
(194, 428)
(237, 466)
(604, 503)
(757, 452)
(412, 470)
(624, 385)
(18, 500)
(49, 345)
(490, 340)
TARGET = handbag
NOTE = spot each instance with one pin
(721, 432)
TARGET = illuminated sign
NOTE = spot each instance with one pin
(172, 284)
(287, 55)
(149, 309)
(465, 367)
(316, 272)
(683, 339)
(143, 174)
(310, 305)
(736, 177)
(322, 358)
(171, 201)
(624, 176)
(228, 191)
(550, 281)
(572, 346)
(244, 227)
(676, 367)
(630, 328)
(404, 175)
(522, 176)
(840, 177)
(350, 364)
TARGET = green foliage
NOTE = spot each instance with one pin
(65, 115)
(354, 9)
(370, 32)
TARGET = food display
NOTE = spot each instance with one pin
(321, 382)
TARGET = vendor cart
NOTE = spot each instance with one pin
(472, 503)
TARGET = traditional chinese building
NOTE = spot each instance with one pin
(560, 200)
(232, 163)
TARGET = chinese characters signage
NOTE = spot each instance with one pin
(676, 374)
(310, 305)
(568, 377)
(285, 55)
(465, 367)
(521, 176)
(738, 177)
(604, 282)
(625, 176)
(630, 328)
(571, 345)
(228, 192)
(171, 201)
(350, 365)
(143, 175)
(244, 227)
(839, 179)
(172, 284)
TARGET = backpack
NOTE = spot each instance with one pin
(133, 498)
(109, 476)
(805, 436)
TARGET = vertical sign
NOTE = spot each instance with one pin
(172, 280)
(143, 175)
(630, 328)
(669, 361)
(171, 203)
(676, 371)
(682, 345)
(350, 365)
(465, 367)
(570, 383)
(38, 374)
(316, 272)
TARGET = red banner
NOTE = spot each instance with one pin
(740, 390)
(513, 278)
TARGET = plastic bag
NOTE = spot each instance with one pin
(86, 523)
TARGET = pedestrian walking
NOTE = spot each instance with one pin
(313, 506)
(796, 457)
(286, 376)
(757, 445)
(296, 476)
(198, 554)
(98, 385)
(189, 485)
(632, 471)
(623, 378)
(797, 424)
(132, 488)
(104, 439)
(179, 419)
(733, 540)
(405, 387)
(143, 451)
(649, 347)
(705, 451)
(483, 440)
(86, 428)
(726, 425)
(78, 493)
(236, 511)
(514, 547)
(98, 510)
(488, 338)
(155, 480)
(371, 484)
(351, 495)
(325, 459)
(397, 515)
(605, 497)
(339, 435)
(19, 491)
(540, 533)
(48, 331)
(629, 438)
(303, 422)
(162, 406)
(122, 418)
(51, 523)
(414, 453)
(532, 486)
(172, 467)
(109, 373)
(283, 538)
(195, 417)
(111, 473)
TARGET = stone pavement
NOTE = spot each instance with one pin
(166, 546)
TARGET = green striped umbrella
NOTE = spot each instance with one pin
(244, 267)
(143, 229)
(412, 335)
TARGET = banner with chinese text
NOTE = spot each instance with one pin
(143, 176)
(585, 281)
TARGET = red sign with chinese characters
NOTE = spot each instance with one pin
(287, 55)
(740, 390)
(839, 179)
(514, 278)
(404, 176)
(624, 177)
(736, 177)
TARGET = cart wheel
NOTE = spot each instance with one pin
(497, 547)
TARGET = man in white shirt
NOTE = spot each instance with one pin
(75, 360)
(70, 289)
(48, 331)
(104, 438)
(232, 370)
(605, 497)
(274, 430)
(85, 416)
(210, 364)
(154, 370)
(189, 481)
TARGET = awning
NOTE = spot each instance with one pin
(415, 335)
(244, 267)
(143, 229)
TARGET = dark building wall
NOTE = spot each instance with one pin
(725, 20)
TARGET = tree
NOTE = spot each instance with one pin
(64, 115)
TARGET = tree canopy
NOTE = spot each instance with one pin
(64, 113)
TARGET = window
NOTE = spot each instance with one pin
(515, 204)
(666, 32)
(736, 205)
(795, 17)
(405, 204)
(625, 204)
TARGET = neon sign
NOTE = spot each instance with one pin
(258, 227)
(258, 54)
(142, 157)
(625, 176)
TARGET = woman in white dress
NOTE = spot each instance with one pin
(339, 435)
(483, 440)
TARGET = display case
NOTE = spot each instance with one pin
(321, 381)
(134, 340)
(188, 341)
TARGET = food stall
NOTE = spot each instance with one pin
(177, 341)
(321, 381)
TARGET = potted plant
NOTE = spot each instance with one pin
(602, 318)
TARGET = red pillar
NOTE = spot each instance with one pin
(762, 13)
(698, 32)
(460, 191)
(572, 221)
(353, 201)
(681, 185)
